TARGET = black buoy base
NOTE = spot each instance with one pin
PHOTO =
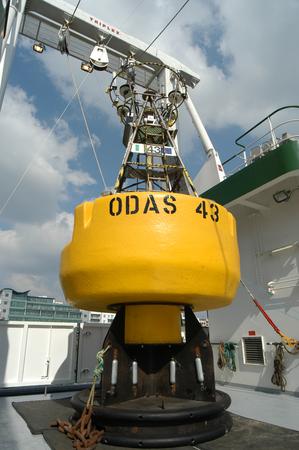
(171, 401)
(157, 421)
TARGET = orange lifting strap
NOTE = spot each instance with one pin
(291, 342)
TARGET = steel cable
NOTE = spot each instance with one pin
(126, 20)
(163, 29)
(74, 12)
(86, 125)
(30, 164)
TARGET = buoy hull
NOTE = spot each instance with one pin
(151, 247)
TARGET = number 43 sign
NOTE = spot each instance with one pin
(212, 211)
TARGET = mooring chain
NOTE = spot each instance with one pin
(83, 433)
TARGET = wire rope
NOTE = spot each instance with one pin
(126, 19)
(163, 29)
(86, 125)
(30, 164)
(74, 12)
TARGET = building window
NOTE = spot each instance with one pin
(75, 315)
(17, 310)
(47, 308)
(18, 304)
(61, 314)
(32, 313)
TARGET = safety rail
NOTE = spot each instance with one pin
(262, 144)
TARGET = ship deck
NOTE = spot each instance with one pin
(277, 408)
(281, 410)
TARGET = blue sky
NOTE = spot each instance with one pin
(246, 55)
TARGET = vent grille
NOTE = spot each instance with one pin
(253, 351)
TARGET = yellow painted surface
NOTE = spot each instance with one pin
(153, 324)
(151, 248)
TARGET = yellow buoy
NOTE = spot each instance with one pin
(151, 248)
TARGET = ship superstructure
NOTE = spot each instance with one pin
(262, 192)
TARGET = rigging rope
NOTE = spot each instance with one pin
(278, 378)
(227, 356)
(126, 19)
(84, 433)
(75, 10)
(30, 164)
(86, 125)
(162, 31)
(291, 342)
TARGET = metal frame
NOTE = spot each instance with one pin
(49, 16)
(41, 21)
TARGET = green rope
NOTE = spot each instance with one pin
(227, 356)
(230, 355)
(100, 363)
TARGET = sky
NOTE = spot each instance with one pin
(246, 53)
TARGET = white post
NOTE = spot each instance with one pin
(273, 137)
(212, 171)
(9, 43)
(199, 126)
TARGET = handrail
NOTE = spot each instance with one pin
(252, 128)
(269, 132)
(262, 121)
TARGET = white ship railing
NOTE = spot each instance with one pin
(261, 145)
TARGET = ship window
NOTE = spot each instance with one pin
(253, 350)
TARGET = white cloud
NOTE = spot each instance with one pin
(30, 253)
(24, 137)
(35, 228)
(258, 39)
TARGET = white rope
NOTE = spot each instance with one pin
(86, 125)
(29, 166)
